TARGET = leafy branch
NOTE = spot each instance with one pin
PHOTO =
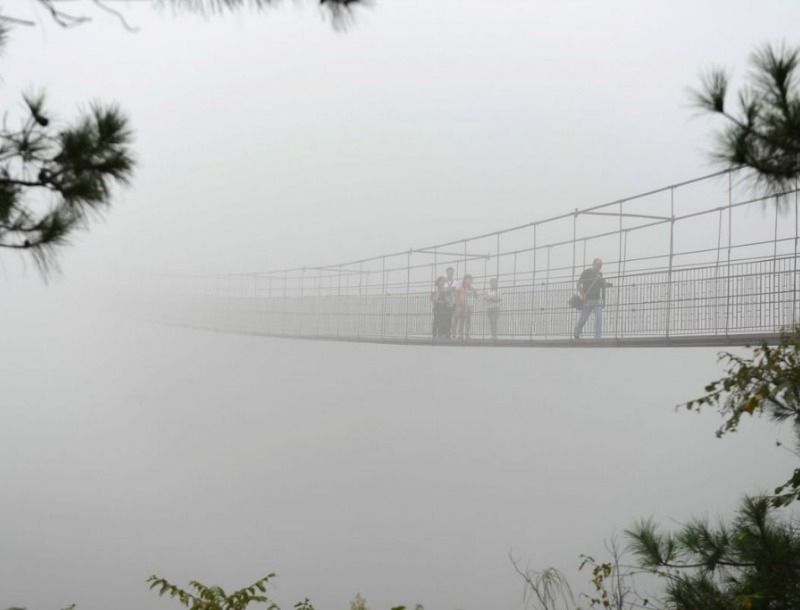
(751, 563)
(767, 382)
(339, 11)
(763, 131)
(54, 178)
(202, 597)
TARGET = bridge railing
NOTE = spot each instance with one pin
(707, 257)
(749, 297)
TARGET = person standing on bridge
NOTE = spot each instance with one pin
(465, 304)
(441, 313)
(493, 299)
(592, 289)
(451, 286)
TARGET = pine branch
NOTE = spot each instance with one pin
(78, 167)
(764, 135)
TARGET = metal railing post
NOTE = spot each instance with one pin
(408, 289)
(671, 256)
(300, 303)
(383, 297)
(533, 285)
(338, 299)
(319, 300)
(728, 266)
(283, 305)
(794, 273)
(620, 255)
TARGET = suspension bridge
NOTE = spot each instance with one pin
(709, 261)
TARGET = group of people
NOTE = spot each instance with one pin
(454, 301)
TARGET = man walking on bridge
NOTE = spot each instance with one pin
(592, 288)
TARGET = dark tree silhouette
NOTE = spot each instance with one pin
(55, 176)
(340, 11)
(763, 132)
(752, 562)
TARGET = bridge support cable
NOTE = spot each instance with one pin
(677, 275)
(360, 312)
(728, 266)
(574, 240)
(617, 325)
(671, 260)
(775, 285)
(534, 294)
(716, 289)
(794, 265)
(338, 299)
(408, 291)
(300, 303)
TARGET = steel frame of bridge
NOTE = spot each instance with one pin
(709, 261)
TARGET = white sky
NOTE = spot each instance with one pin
(269, 141)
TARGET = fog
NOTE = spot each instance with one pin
(408, 474)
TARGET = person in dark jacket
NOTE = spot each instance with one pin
(592, 289)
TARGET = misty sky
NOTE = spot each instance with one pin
(271, 140)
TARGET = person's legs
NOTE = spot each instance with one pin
(598, 319)
(586, 310)
(447, 322)
(467, 322)
(492, 314)
(444, 316)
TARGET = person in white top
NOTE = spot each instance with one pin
(465, 303)
(451, 285)
(493, 299)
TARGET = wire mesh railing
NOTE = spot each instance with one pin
(704, 258)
